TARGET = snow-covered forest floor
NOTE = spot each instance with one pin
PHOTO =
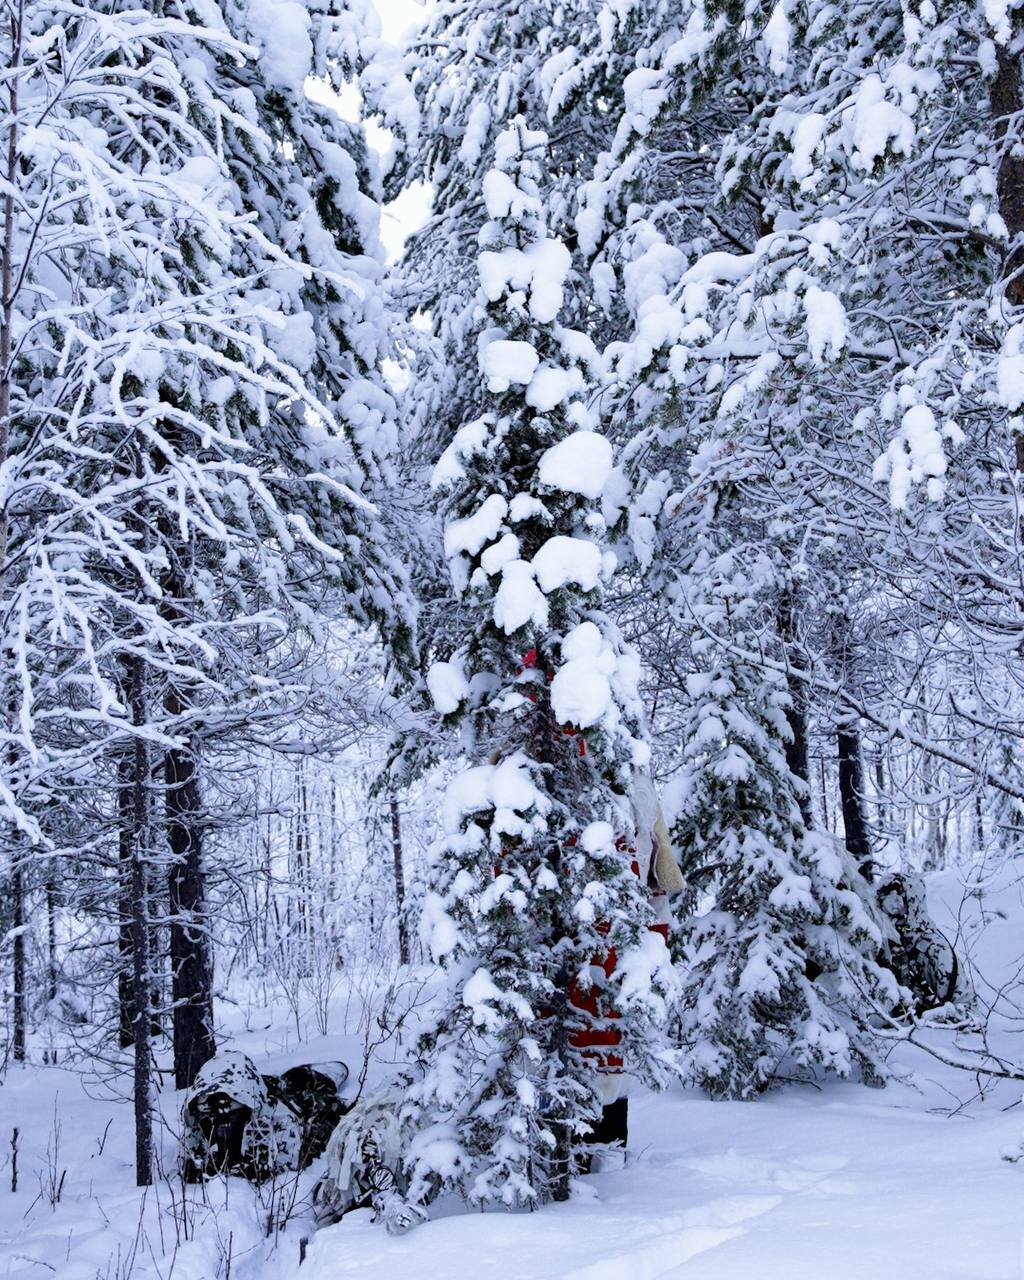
(839, 1180)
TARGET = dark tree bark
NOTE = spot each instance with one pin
(125, 860)
(20, 974)
(140, 938)
(51, 934)
(188, 935)
(1007, 102)
(6, 319)
(7, 273)
(191, 981)
(562, 1155)
(796, 749)
(883, 812)
(851, 797)
(823, 779)
(156, 893)
(125, 870)
(301, 879)
(396, 849)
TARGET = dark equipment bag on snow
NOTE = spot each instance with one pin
(240, 1122)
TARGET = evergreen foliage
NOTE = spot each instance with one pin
(529, 884)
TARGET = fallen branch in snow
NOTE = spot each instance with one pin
(979, 1062)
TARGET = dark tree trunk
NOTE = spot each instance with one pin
(51, 935)
(125, 860)
(562, 1154)
(20, 974)
(1007, 102)
(396, 849)
(7, 277)
(191, 984)
(155, 892)
(7, 272)
(880, 788)
(796, 751)
(1006, 98)
(823, 777)
(140, 939)
(796, 714)
(188, 935)
(301, 875)
(851, 797)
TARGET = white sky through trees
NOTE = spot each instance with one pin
(408, 212)
(397, 16)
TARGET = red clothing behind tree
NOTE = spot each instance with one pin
(594, 1040)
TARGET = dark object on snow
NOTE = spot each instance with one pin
(610, 1132)
(238, 1121)
(613, 1126)
(919, 955)
(231, 1125)
(313, 1092)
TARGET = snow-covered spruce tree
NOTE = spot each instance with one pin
(781, 938)
(830, 236)
(472, 67)
(530, 886)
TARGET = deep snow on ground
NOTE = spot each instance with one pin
(838, 1183)
(841, 1187)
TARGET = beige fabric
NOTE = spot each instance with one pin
(655, 857)
(666, 869)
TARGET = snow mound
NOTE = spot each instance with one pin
(581, 463)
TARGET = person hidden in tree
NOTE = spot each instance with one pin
(654, 862)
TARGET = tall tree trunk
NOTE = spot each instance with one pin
(880, 794)
(333, 841)
(20, 974)
(930, 811)
(562, 1163)
(851, 797)
(7, 275)
(140, 938)
(302, 864)
(51, 934)
(823, 775)
(156, 896)
(1007, 102)
(796, 714)
(191, 981)
(396, 849)
(943, 812)
(125, 867)
(268, 869)
(188, 931)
